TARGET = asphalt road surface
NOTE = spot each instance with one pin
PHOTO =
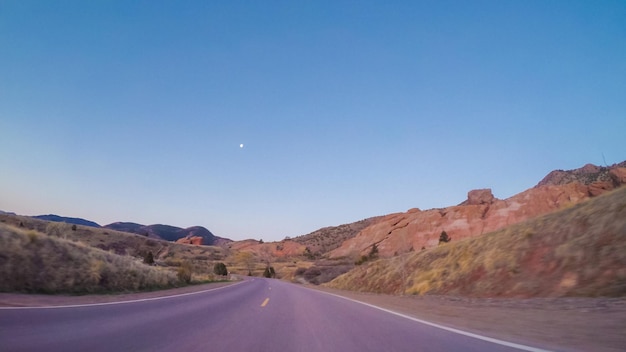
(254, 315)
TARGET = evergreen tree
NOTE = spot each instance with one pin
(220, 269)
(148, 258)
(444, 238)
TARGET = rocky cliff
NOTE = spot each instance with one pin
(482, 212)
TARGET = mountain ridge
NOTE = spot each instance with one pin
(156, 231)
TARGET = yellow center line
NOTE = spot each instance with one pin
(265, 302)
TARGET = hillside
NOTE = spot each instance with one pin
(587, 175)
(201, 235)
(166, 254)
(57, 218)
(481, 213)
(31, 261)
(578, 251)
(170, 233)
(326, 239)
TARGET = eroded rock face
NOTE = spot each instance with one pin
(282, 249)
(195, 240)
(480, 196)
(480, 213)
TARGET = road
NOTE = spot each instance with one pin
(253, 315)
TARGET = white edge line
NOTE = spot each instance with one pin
(122, 302)
(457, 331)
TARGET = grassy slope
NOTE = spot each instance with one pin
(579, 251)
(128, 244)
(34, 262)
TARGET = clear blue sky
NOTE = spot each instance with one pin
(135, 110)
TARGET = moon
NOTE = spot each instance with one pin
(241, 145)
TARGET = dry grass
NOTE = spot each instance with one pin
(166, 254)
(579, 251)
(31, 261)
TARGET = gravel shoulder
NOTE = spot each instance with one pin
(560, 324)
(42, 300)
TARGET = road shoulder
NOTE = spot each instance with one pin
(576, 324)
(43, 300)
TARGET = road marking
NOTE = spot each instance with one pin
(122, 302)
(265, 302)
(457, 331)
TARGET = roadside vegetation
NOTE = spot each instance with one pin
(187, 264)
(579, 251)
(31, 261)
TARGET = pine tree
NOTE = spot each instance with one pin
(444, 238)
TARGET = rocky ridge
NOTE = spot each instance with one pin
(481, 212)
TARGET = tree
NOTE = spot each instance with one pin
(148, 258)
(74, 227)
(220, 269)
(269, 272)
(444, 238)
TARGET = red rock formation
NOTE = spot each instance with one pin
(195, 240)
(481, 212)
(282, 249)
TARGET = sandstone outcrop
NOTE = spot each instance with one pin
(482, 212)
(195, 240)
(479, 197)
(282, 249)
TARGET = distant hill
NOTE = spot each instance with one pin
(326, 239)
(6, 212)
(131, 227)
(169, 233)
(57, 218)
(158, 231)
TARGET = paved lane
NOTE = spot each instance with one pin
(255, 315)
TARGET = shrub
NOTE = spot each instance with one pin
(373, 252)
(33, 262)
(220, 269)
(148, 258)
(269, 272)
(184, 272)
(444, 238)
(361, 260)
(58, 229)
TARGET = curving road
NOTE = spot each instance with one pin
(254, 315)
